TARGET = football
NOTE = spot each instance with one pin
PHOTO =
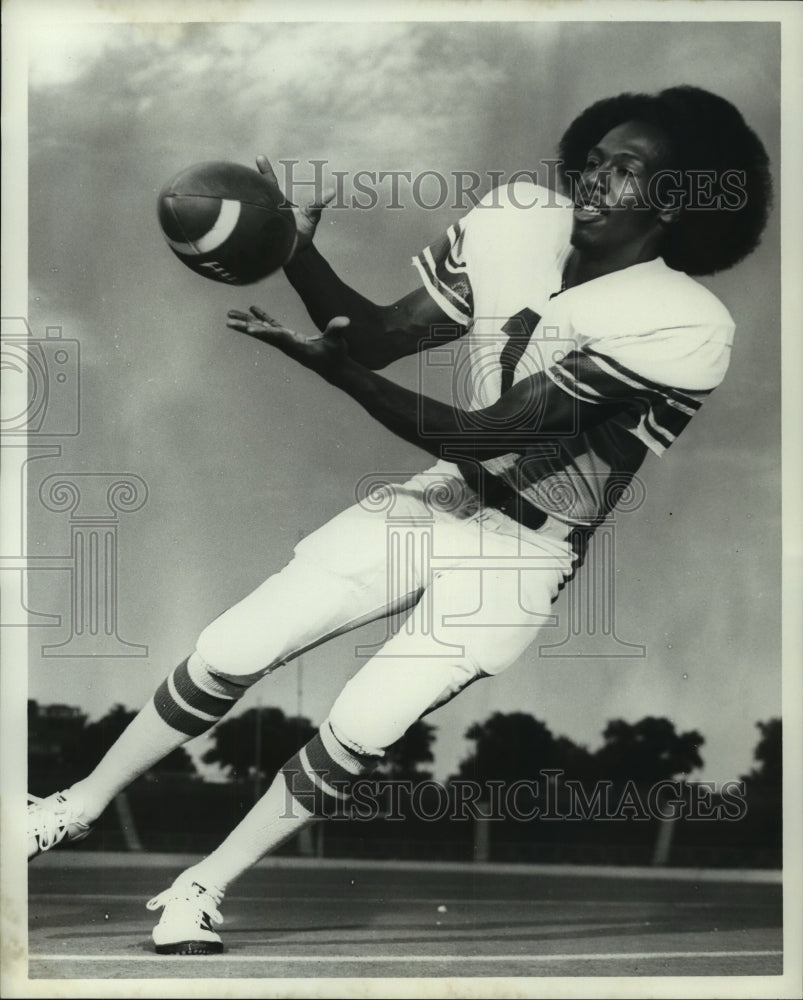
(227, 222)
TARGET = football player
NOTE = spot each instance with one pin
(532, 453)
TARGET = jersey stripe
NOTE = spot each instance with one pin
(610, 377)
(641, 432)
(445, 275)
(653, 416)
(454, 259)
(659, 434)
(665, 415)
(689, 397)
(565, 379)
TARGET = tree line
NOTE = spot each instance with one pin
(506, 747)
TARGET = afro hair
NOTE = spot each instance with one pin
(706, 134)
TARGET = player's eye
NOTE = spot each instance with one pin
(632, 169)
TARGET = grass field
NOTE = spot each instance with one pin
(87, 919)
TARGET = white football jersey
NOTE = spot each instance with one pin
(648, 337)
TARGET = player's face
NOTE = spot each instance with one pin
(612, 213)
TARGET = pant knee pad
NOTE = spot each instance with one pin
(217, 648)
(355, 729)
(382, 701)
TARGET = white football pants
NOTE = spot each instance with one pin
(480, 586)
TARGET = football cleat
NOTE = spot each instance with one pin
(185, 927)
(51, 820)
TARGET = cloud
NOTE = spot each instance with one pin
(60, 53)
(301, 78)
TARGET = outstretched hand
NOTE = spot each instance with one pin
(322, 352)
(307, 216)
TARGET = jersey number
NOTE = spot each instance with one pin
(519, 329)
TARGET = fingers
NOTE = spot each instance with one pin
(264, 167)
(255, 311)
(317, 205)
(251, 328)
(241, 324)
(256, 323)
(239, 321)
(317, 352)
(336, 323)
(261, 314)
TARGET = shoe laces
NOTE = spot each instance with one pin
(52, 817)
(192, 894)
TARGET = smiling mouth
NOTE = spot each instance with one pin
(588, 213)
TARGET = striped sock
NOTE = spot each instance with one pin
(190, 701)
(320, 775)
(311, 785)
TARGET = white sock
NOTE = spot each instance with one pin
(273, 820)
(187, 703)
(312, 784)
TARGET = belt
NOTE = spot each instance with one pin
(495, 492)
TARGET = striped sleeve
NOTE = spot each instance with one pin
(655, 411)
(443, 270)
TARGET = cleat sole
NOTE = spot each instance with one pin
(190, 948)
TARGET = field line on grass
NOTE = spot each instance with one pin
(68, 897)
(102, 859)
(368, 959)
(460, 903)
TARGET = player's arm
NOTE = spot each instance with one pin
(535, 405)
(377, 334)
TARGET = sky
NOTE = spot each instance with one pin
(243, 453)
